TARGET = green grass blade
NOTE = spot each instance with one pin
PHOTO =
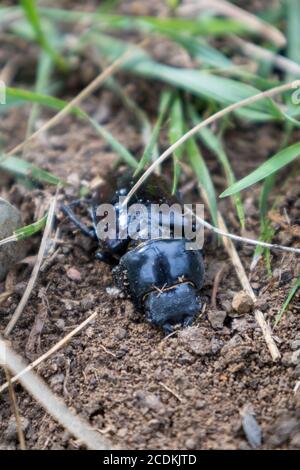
(266, 230)
(293, 22)
(222, 90)
(29, 230)
(33, 16)
(20, 167)
(176, 130)
(287, 302)
(272, 165)
(44, 69)
(208, 26)
(148, 152)
(199, 166)
(214, 144)
(16, 96)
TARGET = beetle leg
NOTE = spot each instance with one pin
(106, 257)
(66, 209)
(94, 217)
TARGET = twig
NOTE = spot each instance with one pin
(14, 405)
(107, 351)
(51, 351)
(243, 278)
(248, 19)
(87, 91)
(74, 424)
(35, 270)
(267, 332)
(170, 391)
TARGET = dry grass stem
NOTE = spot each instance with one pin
(51, 351)
(41, 392)
(36, 269)
(225, 8)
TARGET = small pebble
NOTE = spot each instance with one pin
(295, 344)
(10, 220)
(242, 302)
(190, 444)
(87, 302)
(252, 430)
(74, 274)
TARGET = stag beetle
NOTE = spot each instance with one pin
(161, 276)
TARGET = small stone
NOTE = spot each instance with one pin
(296, 372)
(190, 444)
(61, 324)
(295, 344)
(200, 404)
(252, 430)
(216, 345)
(120, 333)
(291, 359)
(74, 274)
(295, 358)
(11, 432)
(10, 220)
(242, 302)
(195, 340)
(216, 318)
(87, 302)
(149, 400)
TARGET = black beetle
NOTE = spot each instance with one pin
(161, 276)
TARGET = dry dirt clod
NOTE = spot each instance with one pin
(150, 401)
(73, 274)
(216, 318)
(242, 302)
(195, 340)
(10, 220)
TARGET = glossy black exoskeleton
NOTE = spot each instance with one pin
(161, 276)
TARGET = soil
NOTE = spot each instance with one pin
(138, 388)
